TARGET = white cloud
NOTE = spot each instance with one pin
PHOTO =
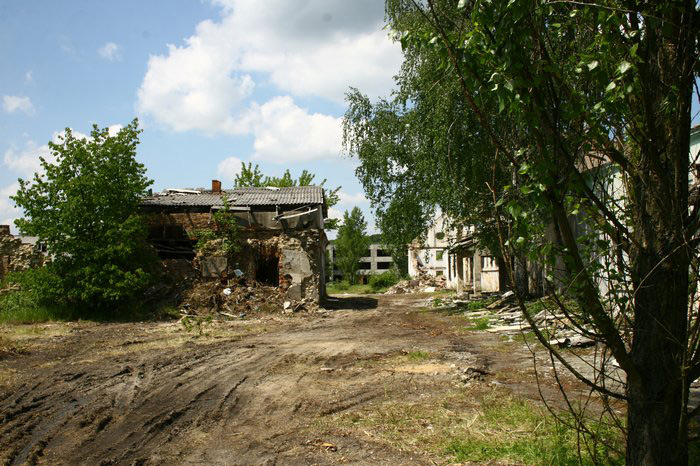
(348, 199)
(228, 169)
(29, 77)
(335, 213)
(13, 103)
(110, 51)
(8, 211)
(304, 47)
(25, 162)
(284, 132)
(112, 130)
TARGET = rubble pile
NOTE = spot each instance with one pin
(505, 317)
(238, 298)
(425, 283)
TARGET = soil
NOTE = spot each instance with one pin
(249, 391)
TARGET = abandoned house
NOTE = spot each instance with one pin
(19, 253)
(451, 252)
(282, 240)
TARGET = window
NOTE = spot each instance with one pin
(440, 235)
(383, 253)
(365, 266)
(439, 254)
(438, 273)
(383, 265)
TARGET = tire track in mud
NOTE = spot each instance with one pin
(169, 406)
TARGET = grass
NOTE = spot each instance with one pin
(341, 288)
(481, 323)
(418, 355)
(512, 430)
(477, 426)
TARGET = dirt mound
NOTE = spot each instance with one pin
(424, 283)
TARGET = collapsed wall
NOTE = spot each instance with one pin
(16, 256)
(291, 259)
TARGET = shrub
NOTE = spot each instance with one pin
(383, 281)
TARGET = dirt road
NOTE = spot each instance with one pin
(267, 390)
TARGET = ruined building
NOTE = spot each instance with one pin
(17, 253)
(281, 234)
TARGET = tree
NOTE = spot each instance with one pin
(253, 177)
(351, 244)
(585, 110)
(84, 206)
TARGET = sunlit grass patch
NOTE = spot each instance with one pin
(418, 355)
(481, 323)
(477, 425)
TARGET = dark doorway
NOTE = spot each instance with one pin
(267, 269)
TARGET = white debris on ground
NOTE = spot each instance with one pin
(506, 318)
(425, 283)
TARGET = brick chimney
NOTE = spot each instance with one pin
(215, 186)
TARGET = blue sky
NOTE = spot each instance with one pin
(213, 82)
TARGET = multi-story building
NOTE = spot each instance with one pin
(376, 260)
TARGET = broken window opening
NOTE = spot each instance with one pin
(267, 269)
(172, 242)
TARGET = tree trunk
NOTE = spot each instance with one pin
(656, 433)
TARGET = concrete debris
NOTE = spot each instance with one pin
(506, 318)
(507, 297)
(424, 284)
(241, 298)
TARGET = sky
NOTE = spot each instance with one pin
(213, 82)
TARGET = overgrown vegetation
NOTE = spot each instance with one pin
(560, 130)
(226, 233)
(351, 244)
(84, 207)
(491, 427)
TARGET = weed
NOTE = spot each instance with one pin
(518, 432)
(12, 347)
(418, 355)
(197, 323)
(479, 324)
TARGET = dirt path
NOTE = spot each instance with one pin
(251, 392)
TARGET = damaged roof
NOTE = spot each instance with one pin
(239, 197)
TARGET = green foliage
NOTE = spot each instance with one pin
(379, 283)
(84, 206)
(351, 244)
(418, 355)
(226, 231)
(31, 302)
(481, 323)
(252, 176)
(519, 433)
(197, 324)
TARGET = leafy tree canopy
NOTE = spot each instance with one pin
(351, 244)
(84, 206)
(570, 122)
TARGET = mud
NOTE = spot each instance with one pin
(245, 392)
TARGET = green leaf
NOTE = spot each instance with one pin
(611, 86)
(624, 67)
(593, 65)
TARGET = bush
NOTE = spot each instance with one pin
(342, 285)
(32, 301)
(383, 281)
